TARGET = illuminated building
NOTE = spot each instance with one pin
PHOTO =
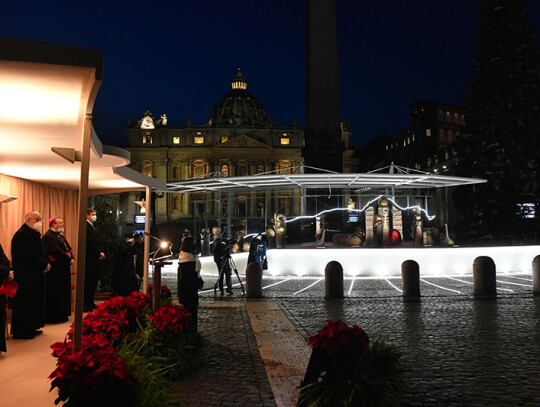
(237, 139)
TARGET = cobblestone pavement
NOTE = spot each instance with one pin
(461, 351)
(233, 373)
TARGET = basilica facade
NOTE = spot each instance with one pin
(238, 139)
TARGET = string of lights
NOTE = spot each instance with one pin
(429, 217)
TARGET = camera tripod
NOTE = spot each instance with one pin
(228, 265)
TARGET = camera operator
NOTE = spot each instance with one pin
(222, 254)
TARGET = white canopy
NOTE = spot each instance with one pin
(392, 176)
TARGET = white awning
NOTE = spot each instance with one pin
(396, 177)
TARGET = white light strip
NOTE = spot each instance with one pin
(507, 282)
(505, 289)
(388, 281)
(309, 286)
(279, 282)
(520, 278)
(352, 283)
(438, 286)
(361, 210)
(461, 281)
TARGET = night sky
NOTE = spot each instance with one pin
(179, 57)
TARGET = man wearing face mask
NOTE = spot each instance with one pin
(124, 280)
(58, 279)
(92, 256)
(29, 265)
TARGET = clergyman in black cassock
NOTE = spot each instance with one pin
(58, 279)
(29, 265)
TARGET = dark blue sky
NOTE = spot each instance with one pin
(179, 57)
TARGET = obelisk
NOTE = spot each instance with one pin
(323, 145)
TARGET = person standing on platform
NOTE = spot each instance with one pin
(139, 259)
(29, 265)
(6, 274)
(91, 261)
(124, 281)
(58, 279)
(189, 279)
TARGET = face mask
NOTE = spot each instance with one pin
(93, 218)
(37, 226)
(60, 230)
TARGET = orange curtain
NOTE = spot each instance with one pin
(45, 199)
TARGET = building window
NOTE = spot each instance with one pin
(408, 140)
(198, 140)
(386, 148)
(225, 169)
(285, 140)
(456, 118)
(242, 170)
(428, 132)
(224, 139)
(260, 169)
(242, 205)
(198, 168)
(413, 138)
(176, 140)
(448, 117)
(285, 205)
(176, 172)
(284, 167)
(440, 116)
(404, 142)
(147, 168)
(147, 138)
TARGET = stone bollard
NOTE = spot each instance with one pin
(333, 280)
(410, 275)
(253, 280)
(484, 276)
(536, 275)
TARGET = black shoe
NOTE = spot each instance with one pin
(230, 292)
(24, 336)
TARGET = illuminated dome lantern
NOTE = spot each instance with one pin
(238, 108)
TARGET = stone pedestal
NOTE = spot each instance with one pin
(333, 280)
(410, 275)
(536, 275)
(253, 280)
(484, 277)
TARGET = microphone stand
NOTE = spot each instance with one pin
(157, 264)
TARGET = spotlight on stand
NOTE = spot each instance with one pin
(158, 263)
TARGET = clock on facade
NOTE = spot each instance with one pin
(147, 123)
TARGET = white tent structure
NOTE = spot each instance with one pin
(51, 158)
(392, 176)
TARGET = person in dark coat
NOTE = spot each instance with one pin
(29, 265)
(92, 256)
(139, 260)
(257, 250)
(58, 279)
(124, 281)
(5, 274)
(189, 279)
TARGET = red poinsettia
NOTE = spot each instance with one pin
(86, 372)
(171, 318)
(139, 300)
(337, 338)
